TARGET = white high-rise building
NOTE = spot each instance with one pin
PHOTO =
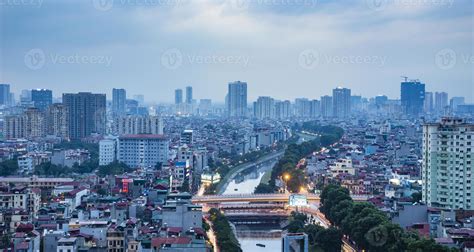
(107, 151)
(448, 162)
(441, 101)
(142, 150)
(237, 99)
(341, 99)
(127, 125)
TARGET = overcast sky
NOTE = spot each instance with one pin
(281, 48)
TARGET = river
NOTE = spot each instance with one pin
(246, 183)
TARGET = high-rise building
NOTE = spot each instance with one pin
(187, 137)
(237, 99)
(448, 151)
(356, 103)
(283, 109)
(25, 98)
(264, 107)
(412, 97)
(341, 102)
(428, 105)
(107, 151)
(315, 108)
(87, 114)
(205, 106)
(380, 100)
(302, 107)
(455, 102)
(14, 126)
(57, 120)
(142, 150)
(178, 96)
(441, 101)
(119, 98)
(326, 106)
(132, 125)
(140, 99)
(189, 95)
(42, 98)
(5, 94)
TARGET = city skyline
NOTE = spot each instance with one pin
(314, 48)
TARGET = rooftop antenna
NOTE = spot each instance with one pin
(405, 77)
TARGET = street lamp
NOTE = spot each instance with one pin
(286, 177)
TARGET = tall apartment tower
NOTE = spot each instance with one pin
(326, 106)
(264, 107)
(57, 120)
(448, 163)
(178, 96)
(189, 95)
(5, 94)
(237, 99)
(119, 99)
(341, 102)
(412, 97)
(87, 114)
(42, 98)
(428, 105)
(283, 109)
(441, 101)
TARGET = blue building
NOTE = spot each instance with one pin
(412, 97)
(42, 98)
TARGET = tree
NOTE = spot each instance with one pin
(8, 167)
(416, 197)
(263, 188)
(330, 239)
(114, 168)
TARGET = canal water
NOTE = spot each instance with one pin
(246, 182)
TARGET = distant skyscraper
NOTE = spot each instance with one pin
(237, 99)
(178, 96)
(302, 107)
(441, 101)
(356, 103)
(42, 98)
(119, 98)
(86, 114)
(315, 108)
(140, 98)
(5, 94)
(205, 106)
(264, 107)
(25, 98)
(412, 97)
(189, 95)
(455, 102)
(57, 120)
(326, 106)
(428, 103)
(448, 148)
(380, 100)
(341, 102)
(283, 109)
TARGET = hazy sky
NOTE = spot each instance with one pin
(281, 48)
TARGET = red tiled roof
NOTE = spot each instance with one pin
(158, 241)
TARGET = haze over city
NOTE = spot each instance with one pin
(311, 46)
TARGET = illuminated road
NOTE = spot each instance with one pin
(270, 197)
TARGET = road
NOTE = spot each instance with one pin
(236, 170)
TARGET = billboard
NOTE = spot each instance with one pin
(298, 200)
